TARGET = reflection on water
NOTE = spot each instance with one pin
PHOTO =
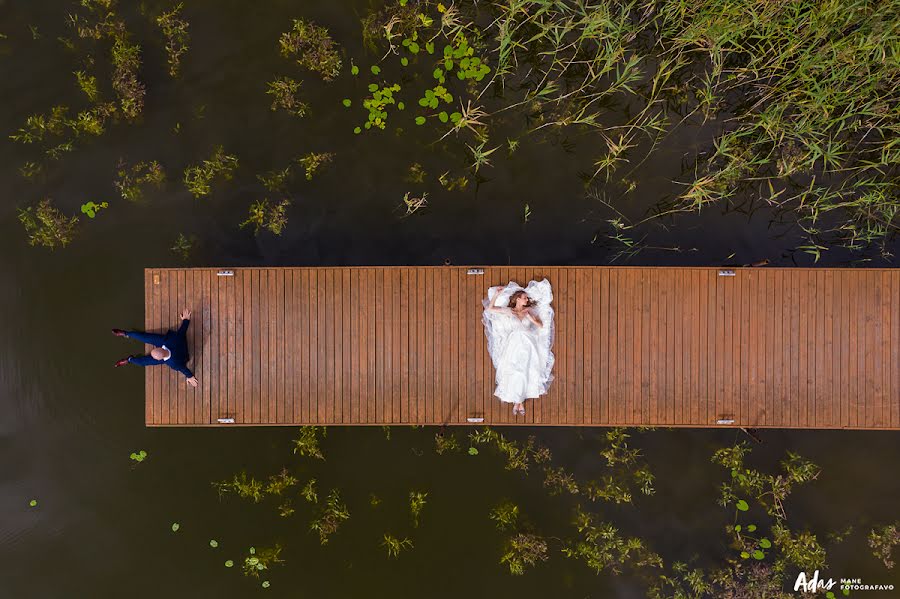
(69, 421)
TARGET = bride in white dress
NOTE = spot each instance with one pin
(519, 327)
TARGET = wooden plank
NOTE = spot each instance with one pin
(808, 348)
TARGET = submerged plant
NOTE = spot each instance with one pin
(445, 441)
(47, 226)
(330, 517)
(285, 94)
(309, 491)
(265, 214)
(139, 456)
(245, 487)
(184, 246)
(314, 161)
(413, 203)
(132, 180)
(279, 483)
(601, 547)
(307, 444)
(883, 540)
(312, 48)
(198, 178)
(258, 560)
(524, 550)
(394, 546)
(505, 515)
(416, 504)
(175, 30)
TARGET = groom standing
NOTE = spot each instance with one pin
(170, 349)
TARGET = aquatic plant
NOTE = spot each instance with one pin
(46, 225)
(518, 456)
(883, 540)
(377, 105)
(767, 489)
(285, 94)
(92, 208)
(33, 503)
(276, 181)
(131, 181)
(184, 246)
(557, 480)
(394, 546)
(198, 178)
(416, 504)
(414, 203)
(309, 491)
(314, 161)
(279, 483)
(312, 48)
(87, 83)
(175, 526)
(126, 61)
(175, 30)
(524, 550)
(307, 444)
(139, 456)
(245, 487)
(258, 560)
(601, 547)
(505, 515)
(415, 174)
(445, 441)
(330, 518)
(265, 214)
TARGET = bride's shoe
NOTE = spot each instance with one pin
(519, 410)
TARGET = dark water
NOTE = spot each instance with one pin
(68, 421)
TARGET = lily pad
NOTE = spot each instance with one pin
(33, 503)
(742, 505)
(420, 120)
(265, 584)
(346, 102)
(213, 543)
(473, 451)
(175, 526)
(765, 543)
(229, 563)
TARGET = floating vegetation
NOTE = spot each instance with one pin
(313, 162)
(184, 246)
(377, 104)
(285, 94)
(213, 543)
(33, 503)
(47, 226)
(312, 48)
(557, 480)
(261, 559)
(505, 515)
(524, 550)
(307, 444)
(92, 208)
(883, 540)
(139, 456)
(265, 214)
(394, 546)
(175, 30)
(175, 526)
(198, 178)
(416, 174)
(30, 170)
(126, 60)
(416, 504)
(330, 518)
(276, 181)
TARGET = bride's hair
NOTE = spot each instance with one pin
(515, 296)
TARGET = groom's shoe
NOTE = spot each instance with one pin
(123, 361)
(118, 332)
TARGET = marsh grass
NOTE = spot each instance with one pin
(312, 48)
(285, 93)
(198, 178)
(395, 546)
(132, 181)
(267, 214)
(175, 32)
(330, 517)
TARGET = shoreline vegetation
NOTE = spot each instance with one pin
(803, 97)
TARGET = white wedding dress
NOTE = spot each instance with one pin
(520, 349)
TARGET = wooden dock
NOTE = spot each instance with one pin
(753, 347)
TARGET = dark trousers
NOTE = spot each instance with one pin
(149, 338)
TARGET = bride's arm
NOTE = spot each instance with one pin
(534, 318)
(494, 307)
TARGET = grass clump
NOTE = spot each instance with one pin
(395, 546)
(312, 48)
(524, 550)
(308, 444)
(47, 226)
(198, 178)
(313, 162)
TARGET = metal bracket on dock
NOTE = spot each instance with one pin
(475, 420)
(725, 421)
(225, 420)
(726, 273)
(225, 273)
(475, 271)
